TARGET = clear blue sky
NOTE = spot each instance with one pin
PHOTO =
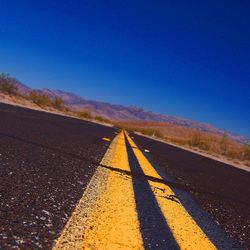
(185, 58)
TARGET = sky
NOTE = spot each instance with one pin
(189, 59)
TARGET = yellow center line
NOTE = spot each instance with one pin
(71, 237)
(185, 230)
(113, 223)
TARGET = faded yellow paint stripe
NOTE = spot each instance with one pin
(185, 230)
(113, 224)
(106, 139)
(71, 237)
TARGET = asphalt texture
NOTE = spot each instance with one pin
(221, 190)
(46, 161)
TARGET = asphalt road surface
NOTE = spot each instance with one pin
(46, 162)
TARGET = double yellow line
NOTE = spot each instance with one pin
(114, 222)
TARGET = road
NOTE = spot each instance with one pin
(46, 162)
(62, 184)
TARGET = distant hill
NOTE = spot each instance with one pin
(129, 113)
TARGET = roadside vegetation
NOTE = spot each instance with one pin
(187, 137)
(39, 99)
(43, 100)
(84, 114)
(102, 119)
(8, 85)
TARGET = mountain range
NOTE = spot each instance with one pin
(128, 113)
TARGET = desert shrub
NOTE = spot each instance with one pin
(204, 145)
(8, 85)
(199, 142)
(195, 140)
(101, 119)
(84, 114)
(39, 99)
(147, 131)
(57, 103)
(158, 134)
